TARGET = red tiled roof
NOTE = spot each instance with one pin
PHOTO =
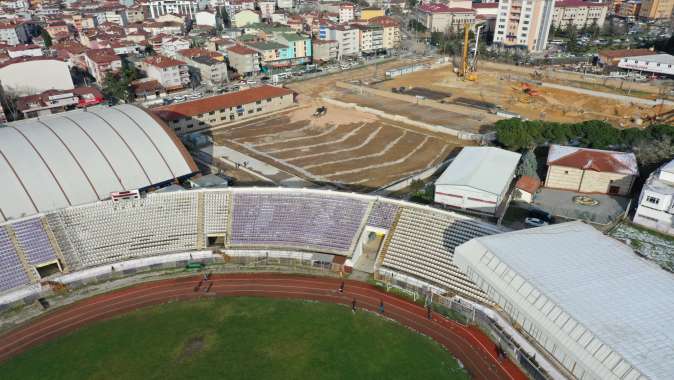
(528, 184)
(384, 21)
(197, 107)
(198, 52)
(162, 61)
(593, 159)
(485, 5)
(241, 50)
(611, 54)
(105, 55)
(434, 8)
(71, 47)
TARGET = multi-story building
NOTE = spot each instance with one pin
(179, 7)
(656, 202)
(235, 6)
(369, 13)
(171, 73)
(347, 38)
(284, 4)
(371, 38)
(8, 34)
(579, 13)
(223, 109)
(244, 60)
(628, 9)
(210, 66)
(652, 63)
(207, 18)
(524, 23)
(272, 54)
(267, 8)
(438, 17)
(324, 50)
(346, 12)
(100, 62)
(24, 51)
(391, 29)
(656, 9)
(244, 18)
(299, 44)
(168, 45)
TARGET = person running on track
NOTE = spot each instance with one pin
(428, 312)
(381, 306)
(341, 287)
(353, 305)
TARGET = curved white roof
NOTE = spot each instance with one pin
(82, 156)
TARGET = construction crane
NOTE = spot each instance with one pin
(468, 67)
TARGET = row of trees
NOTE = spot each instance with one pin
(651, 145)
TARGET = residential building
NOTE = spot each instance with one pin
(209, 66)
(324, 50)
(438, 17)
(171, 73)
(391, 31)
(348, 38)
(24, 51)
(371, 38)
(267, 8)
(165, 27)
(478, 180)
(612, 57)
(653, 63)
(346, 12)
(157, 8)
(168, 45)
(369, 13)
(207, 18)
(299, 46)
(223, 109)
(591, 170)
(134, 14)
(525, 189)
(272, 54)
(284, 4)
(55, 101)
(244, 60)
(235, 6)
(8, 34)
(656, 9)
(71, 52)
(56, 28)
(524, 24)
(244, 18)
(100, 62)
(629, 9)
(579, 13)
(147, 89)
(656, 202)
(33, 75)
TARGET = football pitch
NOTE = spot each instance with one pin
(239, 338)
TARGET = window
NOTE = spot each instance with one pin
(231, 117)
(566, 172)
(652, 200)
(223, 118)
(212, 113)
(201, 123)
(259, 109)
(258, 102)
(269, 100)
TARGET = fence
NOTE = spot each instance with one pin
(278, 261)
(466, 314)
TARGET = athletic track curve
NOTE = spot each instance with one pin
(469, 345)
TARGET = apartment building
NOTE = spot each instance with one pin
(371, 38)
(244, 60)
(438, 17)
(347, 38)
(100, 62)
(156, 8)
(8, 34)
(579, 13)
(524, 23)
(656, 202)
(210, 66)
(391, 31)
(223, 109)
(171, 73)
(324, 50)
(656, 9)
(346, 12)
(299, 46)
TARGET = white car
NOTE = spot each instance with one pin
(179, 99)
(535, 222)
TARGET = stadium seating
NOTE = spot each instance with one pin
(216, 210)
(33, 240)
(423, 243)
(301, 220)
(12, 274)
(107, 232)
(382, 215)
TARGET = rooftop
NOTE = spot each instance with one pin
(528, 184)
(163, 61)
(612, 54)
(241, 50)
(198, 107)
(267, 45)
(656, 58)
(105, 55)
(593, 159)
(484, 168)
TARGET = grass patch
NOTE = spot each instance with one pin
(239, 338)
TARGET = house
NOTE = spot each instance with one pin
(169, 45)
(244, 60)
(72, 52)
(33, 75)
(213, 111)
(656, 202)
(147, 89)
(244, 18)
(171, 73)
(54, 101)
(586, 170)
(24, 51)
(478, 180)
(324, 50)
(525, 188)
(100, 62)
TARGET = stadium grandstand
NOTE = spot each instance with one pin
(82, 156)
(600, 310)
(238, 221)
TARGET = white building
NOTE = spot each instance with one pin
(348, 39)
(656, 202)
(579, 13)
(597, 308)
(267, 8)
(179, 7)
(346, 12)
(524, 23)
(657, 64)
(8, 34)
(34, 75)
(284, 4)
(171, 73)
(478, 179)
(24, 51)
(206, 18)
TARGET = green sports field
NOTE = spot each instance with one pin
(238, 338)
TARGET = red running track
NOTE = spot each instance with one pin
(469, 345)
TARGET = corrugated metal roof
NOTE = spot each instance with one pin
(78, 157)
(483, 168)
(626, 302)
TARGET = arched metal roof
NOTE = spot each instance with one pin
(82, 156)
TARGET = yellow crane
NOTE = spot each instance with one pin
(468, 67)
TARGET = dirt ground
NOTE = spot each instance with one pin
(505, 89)
(351, 149)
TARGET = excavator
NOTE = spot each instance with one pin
(468, 66)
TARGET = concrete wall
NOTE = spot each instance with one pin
(587, 181)
(466, 198)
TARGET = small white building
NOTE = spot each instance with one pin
(656, 202)
(657, 63)
(207, 18)
(478, 179)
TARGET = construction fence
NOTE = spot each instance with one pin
(468, 315)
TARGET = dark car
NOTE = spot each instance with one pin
(541, 214)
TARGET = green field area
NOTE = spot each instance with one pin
(239, 338)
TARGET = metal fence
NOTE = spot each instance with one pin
(465, 314)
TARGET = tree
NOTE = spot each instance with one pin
(572, 38)
(117, 86)
(46, 38)
(529, 165)
(412, 3)
(654, 151)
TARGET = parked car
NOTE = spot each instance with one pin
(535, 222)
(179, 99)
(540, 214)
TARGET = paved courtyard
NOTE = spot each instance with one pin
(560, 203)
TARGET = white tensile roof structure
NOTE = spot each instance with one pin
(605, 312)
(81, 156)
(482, 168)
